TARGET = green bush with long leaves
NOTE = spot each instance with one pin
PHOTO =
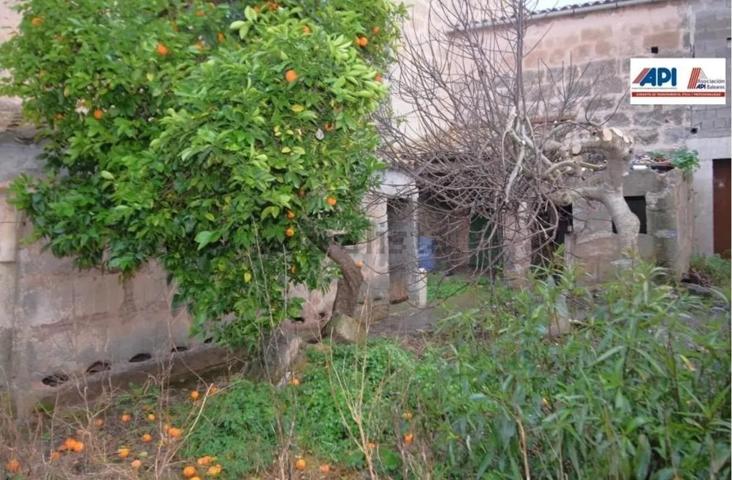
(226, 141)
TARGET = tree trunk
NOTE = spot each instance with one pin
(517, 246)
(350, 282)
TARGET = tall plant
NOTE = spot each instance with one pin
(226, 141)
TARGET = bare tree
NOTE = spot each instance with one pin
(486, 139)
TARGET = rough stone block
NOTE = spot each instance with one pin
(8, 241)
(96, 294)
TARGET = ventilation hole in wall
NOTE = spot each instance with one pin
(313, 341)
(654, 50)
(322, 315)
(98, 366)
(140, 357)
(208, 340)
(55, 379)
(694, 130)
(179, 348)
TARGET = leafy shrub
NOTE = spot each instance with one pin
(225, 141)
(632, 393)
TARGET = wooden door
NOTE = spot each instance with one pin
(721, 209)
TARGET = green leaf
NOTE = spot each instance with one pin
(107, 175)
(205, 237)
(642, 457)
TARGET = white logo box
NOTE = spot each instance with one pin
(678, 81)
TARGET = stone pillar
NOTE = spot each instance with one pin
(8, 250)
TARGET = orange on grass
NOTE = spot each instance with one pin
(99, 114)
(362, 41)
(324, 468)
(290, 215)
(175, 432)
(78, 447)
(13, 465)
(205, 461)
(291, 75)
(301, 464)
(189, 471)
(68, 444)
(126, 418)
(408, 438)
(331, 200)
(37, 21)
(214, 471)
(151, 417)
(123, 452)
(147, 438)
(376, 30)
(162, 50)
(371, 445)
(289, 232)
(195, 394)
(136, 464)
(295, 381)
(196, 478)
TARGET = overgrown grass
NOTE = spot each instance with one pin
(631, 392)
(716, 270)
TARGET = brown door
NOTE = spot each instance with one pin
(721, 209)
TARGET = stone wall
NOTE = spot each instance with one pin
(604, 40)
(593, 247)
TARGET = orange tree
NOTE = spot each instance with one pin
(226, 141)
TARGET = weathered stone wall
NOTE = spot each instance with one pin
(593, 246)
(606, 39)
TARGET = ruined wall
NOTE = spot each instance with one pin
(668, 216)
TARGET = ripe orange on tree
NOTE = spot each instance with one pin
(291, 75)
(362, 41)
(331, 200)
(162, 50)
(290, 215)
(99, 114)
(289, 232)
